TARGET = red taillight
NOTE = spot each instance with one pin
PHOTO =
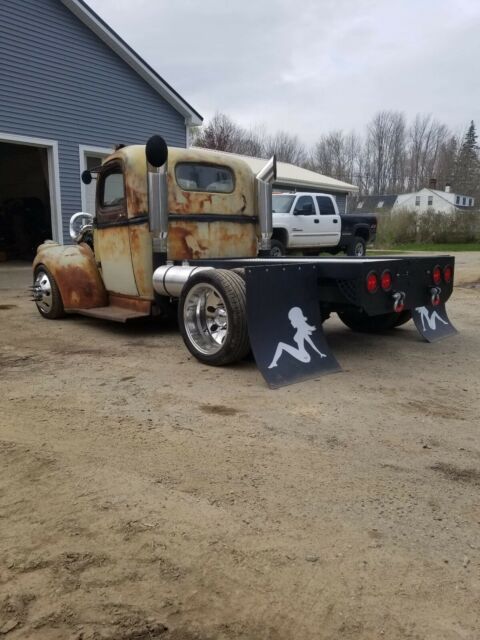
(437, 275)
(372, 282)
(448, 273)
(386, 280)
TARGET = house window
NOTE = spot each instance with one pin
(380, 204)
(470, 202)
(457, 200)
(464, 201)
(417, 201)
(360, 205)
(430, 201)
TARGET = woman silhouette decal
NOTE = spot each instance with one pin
(302, 336)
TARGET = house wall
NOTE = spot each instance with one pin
(59, 81)
(440, 203)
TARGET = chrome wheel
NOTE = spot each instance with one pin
(276, 252)
(205, 318)
(43, 292)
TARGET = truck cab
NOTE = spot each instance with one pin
(311, 222)
(307, 219)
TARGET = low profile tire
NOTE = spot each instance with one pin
(363, 323)
(357, 248)
(51, 305)
(212, 316)
(277, 249)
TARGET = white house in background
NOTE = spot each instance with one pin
(421, 201)
(440, 201)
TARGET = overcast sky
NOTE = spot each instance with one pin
(309, 66)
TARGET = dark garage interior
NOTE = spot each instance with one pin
(25, 215)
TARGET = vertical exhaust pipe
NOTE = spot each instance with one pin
(265, 179)
(157, 155)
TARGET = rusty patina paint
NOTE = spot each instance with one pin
(129, 302)
(190, 239)
(76, 274)
(141, 251)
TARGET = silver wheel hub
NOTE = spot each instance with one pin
(205, 318)
(42, 292)
(359, 249)
(276, 252)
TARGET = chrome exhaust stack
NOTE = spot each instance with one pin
(157, 154)
(169, 280)
(265, 179)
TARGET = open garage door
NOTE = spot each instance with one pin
(25, 203)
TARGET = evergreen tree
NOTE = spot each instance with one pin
(467, 170)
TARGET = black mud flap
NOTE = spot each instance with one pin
(285, 326)
(433, 323)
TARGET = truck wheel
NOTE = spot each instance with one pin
(212, 317)
(357, 247)
(47, 294)
(373, 324)
(277, 249)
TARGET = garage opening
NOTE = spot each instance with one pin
(25, 210)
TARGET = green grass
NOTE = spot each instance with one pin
(439, 248)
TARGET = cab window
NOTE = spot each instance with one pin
(111, 194)
(193, 176)
(304, 206)
(325, 206)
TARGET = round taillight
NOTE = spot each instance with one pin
(437, 275)
(372, 282)
(386, 281)
(448, 273)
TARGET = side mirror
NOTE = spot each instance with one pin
(86, 177)
(156, 151)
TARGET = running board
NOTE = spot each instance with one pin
(285, 325)
(116, 314)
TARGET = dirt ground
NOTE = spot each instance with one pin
(144, 495)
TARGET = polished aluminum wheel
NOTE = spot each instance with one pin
(205, 318)
(43, 292)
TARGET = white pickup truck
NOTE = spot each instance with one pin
(310, 222)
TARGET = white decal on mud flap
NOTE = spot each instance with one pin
(302, 336)
(430, 319)
(432, 322)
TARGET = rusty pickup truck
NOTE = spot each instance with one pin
(189, 231)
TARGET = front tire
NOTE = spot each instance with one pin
(357, 248)
(277, 249)
(50, 304)
(212, 316)
(363, 323)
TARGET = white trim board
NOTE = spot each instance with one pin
(53, 176)
(84, 150)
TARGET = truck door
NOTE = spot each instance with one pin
(330, 223)
(305, 223)
(111, 238)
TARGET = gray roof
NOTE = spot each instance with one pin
(371, 203)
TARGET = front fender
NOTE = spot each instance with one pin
(76, 274)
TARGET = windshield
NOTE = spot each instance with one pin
(282, 204)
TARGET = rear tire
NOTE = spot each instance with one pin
(363, 323)
(277, 249)
(51, 304)
(212, 316)
(357, 248)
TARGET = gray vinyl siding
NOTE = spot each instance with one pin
(59, 81)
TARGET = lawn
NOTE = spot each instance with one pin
(439, 248)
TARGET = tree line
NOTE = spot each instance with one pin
(391, 156)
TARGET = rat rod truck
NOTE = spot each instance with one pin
(190, 230)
